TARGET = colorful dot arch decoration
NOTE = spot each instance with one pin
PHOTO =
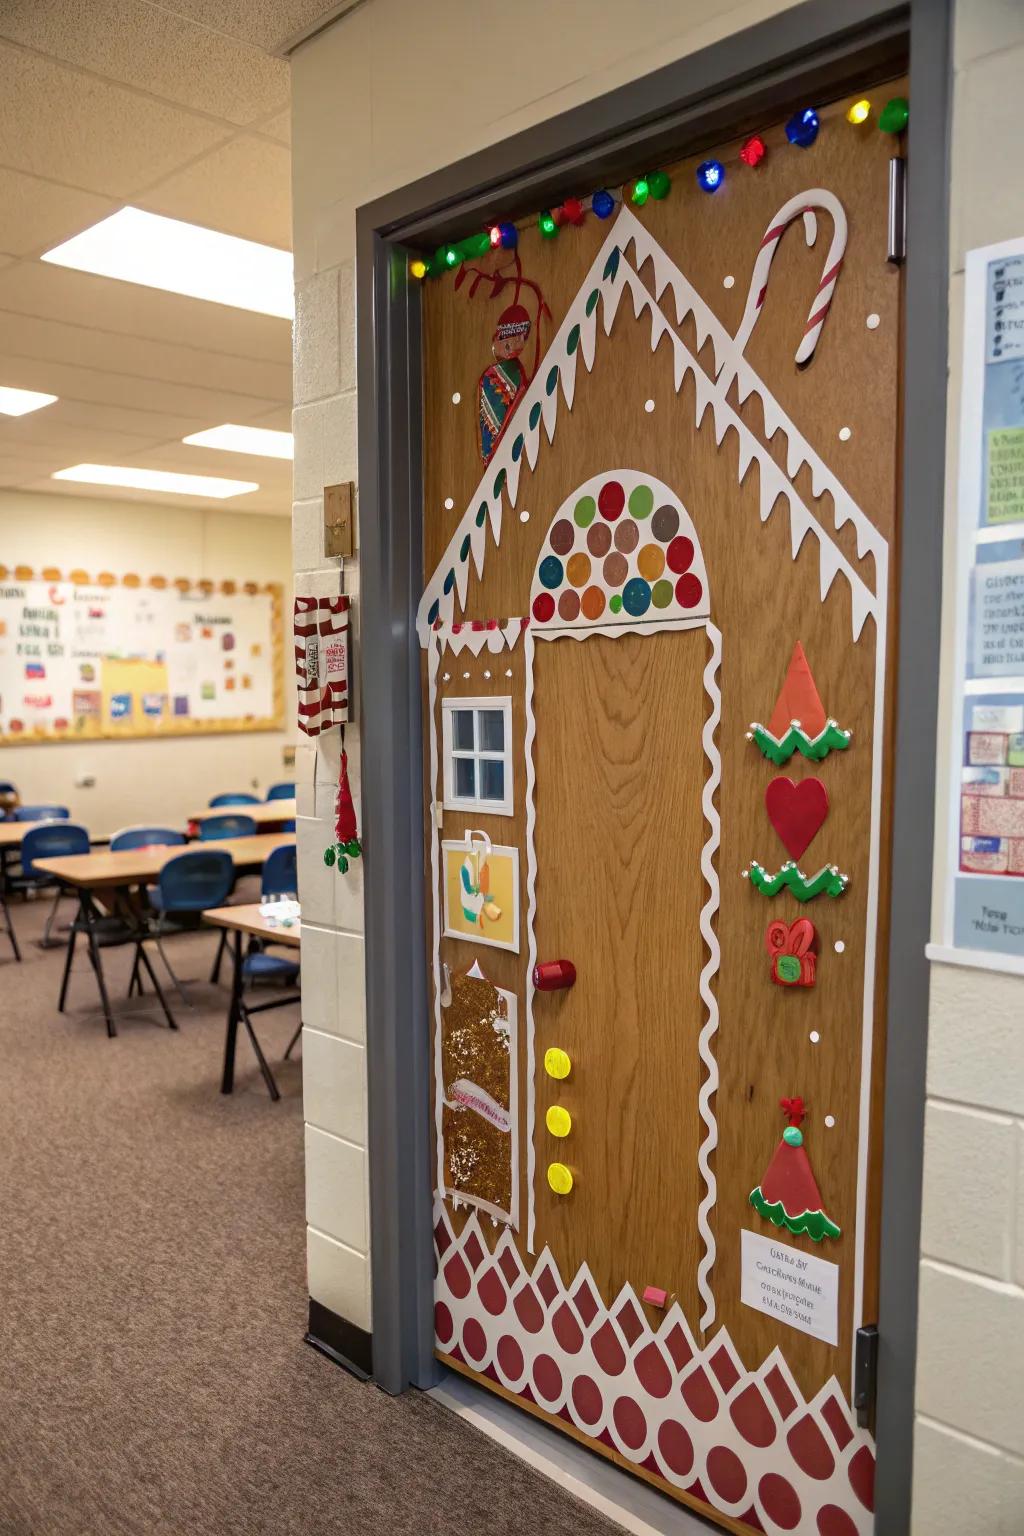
(621, 549)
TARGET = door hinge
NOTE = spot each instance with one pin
(865, 1375)
(896, 249)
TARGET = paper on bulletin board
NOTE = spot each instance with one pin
(984, 900)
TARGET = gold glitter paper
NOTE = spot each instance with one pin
(475, 1046)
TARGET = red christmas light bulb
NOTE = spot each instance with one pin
(494, 234)
(753, 151)
(572, 210)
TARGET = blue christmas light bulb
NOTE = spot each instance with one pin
(802, 128)
(710, 175)
(603, 204)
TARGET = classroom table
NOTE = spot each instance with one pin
(246, 921)
(266, 813)
(102, 878)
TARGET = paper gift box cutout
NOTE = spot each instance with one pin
(791, 948)
(321, 662)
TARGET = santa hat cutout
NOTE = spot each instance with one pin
(788, 1194)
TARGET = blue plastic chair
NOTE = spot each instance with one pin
(280, 875)
(52, 840)
(9, 792)
(145, 837)
(288, 826)
(213, 828)
(41, 813)
(188, 886)
(240, 799)
(281, 792)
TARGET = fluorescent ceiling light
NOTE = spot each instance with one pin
(234, 439)
(157, 252)
(18, 402)
(136, 479)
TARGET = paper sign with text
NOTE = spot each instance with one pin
(793, 1287)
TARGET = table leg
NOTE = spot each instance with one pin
(227, 1083)
(90, 915)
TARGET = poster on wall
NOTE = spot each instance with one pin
(84, 658)
(984, 905)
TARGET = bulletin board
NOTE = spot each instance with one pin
(984, 897)
(87, 658)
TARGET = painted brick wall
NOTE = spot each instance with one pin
(969, 1459)
(393, 92)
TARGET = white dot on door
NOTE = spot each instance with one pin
(845, 434)
(873, 322)
(457, 397)
(524, 517)
(830, 1121)
(839, 946)
(815, 1037)
(448, 503)
(727, 282)
(648, 406)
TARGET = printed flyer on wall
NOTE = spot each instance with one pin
(985, 910)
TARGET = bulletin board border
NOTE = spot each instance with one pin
(160, 730)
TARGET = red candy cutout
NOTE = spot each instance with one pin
(543, 607)
(689, 590)
(610, 500)
(679, 557)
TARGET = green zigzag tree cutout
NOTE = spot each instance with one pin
(827, 881)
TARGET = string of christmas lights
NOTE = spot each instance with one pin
(801, 130)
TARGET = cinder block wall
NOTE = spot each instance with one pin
(969, 1445)
(366, 118)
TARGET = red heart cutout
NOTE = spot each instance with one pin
(796, 810)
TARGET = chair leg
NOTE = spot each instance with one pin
(10, 928)
(222, 947)
(135, 980)
(50, 920)
(67, 970)
(293, 1041)
(141, 956)
(268, 1076)
(170, 969)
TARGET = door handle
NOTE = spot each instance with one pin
(554, 975)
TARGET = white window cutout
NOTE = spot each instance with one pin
(477, 741)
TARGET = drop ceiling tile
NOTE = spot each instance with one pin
(279, 127)
(36, 215)
(267, 23)
(49, 429)
(84, 132)
(151, 49)
(253, 501)
(277, 420)
(271, 474)
(203, 406)
(79, 298)
(141, 426)
(27, 336)
(242, 187)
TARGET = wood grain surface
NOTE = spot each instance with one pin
(618, 754)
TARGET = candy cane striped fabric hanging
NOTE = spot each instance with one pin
(803, 205)
(321, 662)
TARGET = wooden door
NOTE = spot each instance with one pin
(660, 528)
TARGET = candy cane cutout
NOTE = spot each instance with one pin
(803, 204)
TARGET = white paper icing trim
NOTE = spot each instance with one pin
(707, 1034)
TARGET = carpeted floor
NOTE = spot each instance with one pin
(153, 1376)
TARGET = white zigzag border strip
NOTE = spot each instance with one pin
(707, 1034)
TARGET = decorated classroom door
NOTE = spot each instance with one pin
(661, 433)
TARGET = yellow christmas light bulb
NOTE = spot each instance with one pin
(560, 1178)
(418, 268)
(859, 112)
(558, 1120)
(556, 1062)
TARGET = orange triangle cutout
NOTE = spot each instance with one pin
(798, 699)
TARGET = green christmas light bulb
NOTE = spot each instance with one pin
(659, 185)
(548, 227)
(894, 115)
(641, 191)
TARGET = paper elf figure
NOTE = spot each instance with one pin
(347, 845)
(504, 382)
(475, 883)
(788, 1195)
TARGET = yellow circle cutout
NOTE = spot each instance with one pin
(556, 1062)
(558, 1120)
(560, 1178)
